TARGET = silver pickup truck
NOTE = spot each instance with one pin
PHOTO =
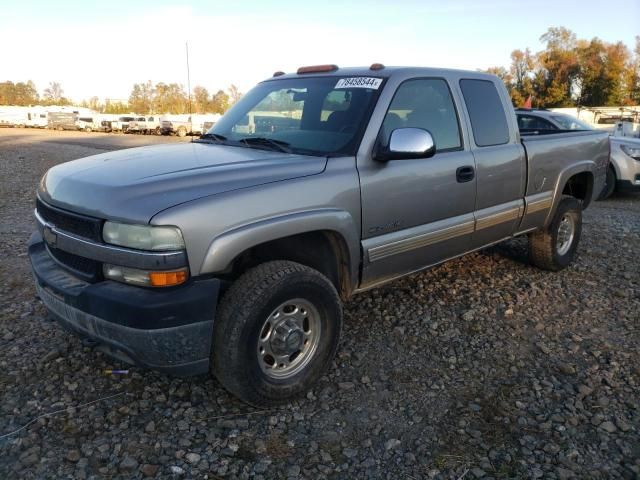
(233, 254)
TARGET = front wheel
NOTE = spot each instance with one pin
(276, 332)
(554, 247)
(182, 132)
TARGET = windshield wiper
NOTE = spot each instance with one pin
(213, 136)
(278, 145)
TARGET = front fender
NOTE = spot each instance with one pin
(227, 246)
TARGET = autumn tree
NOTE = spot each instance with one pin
(20, 93)
(170, 98)
(115, 107)
(557, 68)
(220, 102)
(601, 72)
(141, 97)
(521, 73)
(201, 99)
(632, 77)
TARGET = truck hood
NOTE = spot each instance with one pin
(135, 184)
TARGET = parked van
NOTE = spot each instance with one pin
(88, 124)
(122, 123)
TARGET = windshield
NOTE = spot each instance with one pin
(314, 116)
(568, 122)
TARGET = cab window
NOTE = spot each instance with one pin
(424, 103)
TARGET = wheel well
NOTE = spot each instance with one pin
(323, 250)
(580, 186)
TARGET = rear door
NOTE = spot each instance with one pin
(417, 212)
(500, 161)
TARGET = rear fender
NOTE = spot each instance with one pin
(563, 178)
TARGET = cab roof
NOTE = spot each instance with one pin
(384, 72)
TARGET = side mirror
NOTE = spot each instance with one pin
(407, 143)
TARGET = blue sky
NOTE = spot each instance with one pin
(104, 47)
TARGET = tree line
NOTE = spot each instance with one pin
(25, 93)
(572, 72)
(144, 98)
(567, 72)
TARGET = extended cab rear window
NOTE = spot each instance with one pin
(488, 120)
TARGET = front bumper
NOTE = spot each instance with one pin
(627, 186)
(166, 329)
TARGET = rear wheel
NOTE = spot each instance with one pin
(182, 132)
(87, 129)
(277, 343)
(554, 247)
(157, 131)
(609, 185)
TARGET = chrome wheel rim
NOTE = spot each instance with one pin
(566, 232)
(288, 339)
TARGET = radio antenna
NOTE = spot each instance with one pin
(186, 44)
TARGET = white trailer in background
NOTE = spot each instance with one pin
(36, 117)
(13, 116)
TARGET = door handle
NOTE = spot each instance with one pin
(465, 174)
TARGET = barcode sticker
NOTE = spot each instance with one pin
(359, 82)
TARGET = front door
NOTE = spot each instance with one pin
(417, 212)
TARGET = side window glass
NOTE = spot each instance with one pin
(426, 104)
(488, 119)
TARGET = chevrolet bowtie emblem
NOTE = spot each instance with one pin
(50, 236)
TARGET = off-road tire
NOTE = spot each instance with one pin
(610, 184)
(543, 244)
(182, 132)
(250, 300)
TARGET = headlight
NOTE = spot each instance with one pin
(145, 278)
(143, 237)
(633, 152)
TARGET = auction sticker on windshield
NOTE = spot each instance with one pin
(359, 82)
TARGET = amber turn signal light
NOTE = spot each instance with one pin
(167, 279)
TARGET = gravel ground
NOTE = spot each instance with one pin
(484, 367)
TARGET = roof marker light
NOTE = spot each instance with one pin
(317, 68)
(278, 73)
(376, 66)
